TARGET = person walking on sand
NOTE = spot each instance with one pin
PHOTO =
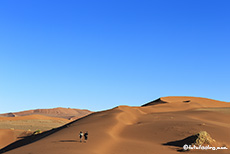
(80, 135)
(86, 136)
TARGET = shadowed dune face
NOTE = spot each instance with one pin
(156, 102)
(135, 130)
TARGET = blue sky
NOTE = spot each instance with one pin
(101, 54)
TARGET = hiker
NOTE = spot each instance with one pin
(80, 135)
(86, 136)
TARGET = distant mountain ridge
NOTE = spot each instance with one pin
(66, 113)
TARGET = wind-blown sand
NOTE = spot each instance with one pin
(154, 128)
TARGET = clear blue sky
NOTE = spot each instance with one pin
(98, 54)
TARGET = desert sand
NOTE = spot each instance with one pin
(31, 122)
(66, 113)
(18, 124)
(12, 128)
(158, 127)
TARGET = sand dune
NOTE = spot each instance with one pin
(154, 128)
(6, 137)
(28, 117)
(31, 122)
(67, 113)
(14, 125)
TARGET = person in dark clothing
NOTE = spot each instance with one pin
(80, 135)
(86, 136)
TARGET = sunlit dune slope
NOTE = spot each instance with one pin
(151, 129)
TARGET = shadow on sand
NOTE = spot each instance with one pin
(156, 102)
(33, 138)
(69, 141)
(180, 143)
